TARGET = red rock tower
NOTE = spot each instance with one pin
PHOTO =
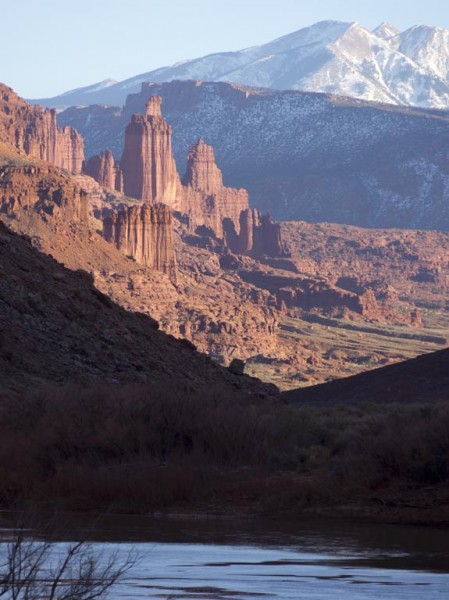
(202, 173)
(205, 199)
(148, 166)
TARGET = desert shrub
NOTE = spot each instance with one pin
(148, 446)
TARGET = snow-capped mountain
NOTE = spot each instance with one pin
(386, 31)
(384, 65)
(428, 47)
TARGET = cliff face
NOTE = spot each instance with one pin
(146, 234)
(43, 190)
(105, 171)
(148, 166)
(34, 131)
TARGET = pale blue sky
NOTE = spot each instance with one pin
(51, 46)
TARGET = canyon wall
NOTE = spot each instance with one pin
(34, 131)
(44, 190)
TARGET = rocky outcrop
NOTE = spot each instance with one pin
(202, 173)
(147, 171)
(144, 233)
(148, 166)
(205, 199)
(258, 235)
(29, 189)
(34, 131)
(314, 293)
(105, 171)
(68, 147)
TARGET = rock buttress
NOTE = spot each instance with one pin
(34, 131)
(145, 233)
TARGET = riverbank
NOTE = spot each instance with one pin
(147, 449)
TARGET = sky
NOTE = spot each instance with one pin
(52, 46)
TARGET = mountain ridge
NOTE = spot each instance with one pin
(409, 68)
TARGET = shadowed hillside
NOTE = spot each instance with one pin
(422, 379)
(57, 327)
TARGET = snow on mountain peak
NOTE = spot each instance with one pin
(346, 59)
(386, 30)
(428, 47)
(323, 33)
(93, 88)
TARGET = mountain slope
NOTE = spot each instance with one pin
(409, 68)
(428, 47)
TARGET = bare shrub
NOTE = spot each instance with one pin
(146, 447)
(33, 569)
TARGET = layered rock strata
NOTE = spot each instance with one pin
(144, 233)
(33, 131)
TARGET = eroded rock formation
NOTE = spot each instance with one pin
(258, 236)
(34, 131)
(144, 233)
(147, 171)
(148, 166)
(105, 171)
(204, 197)
(309, 293)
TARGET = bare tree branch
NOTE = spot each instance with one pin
(29, 571)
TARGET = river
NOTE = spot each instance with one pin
(225, 559)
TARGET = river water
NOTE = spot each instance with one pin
(238, 560)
